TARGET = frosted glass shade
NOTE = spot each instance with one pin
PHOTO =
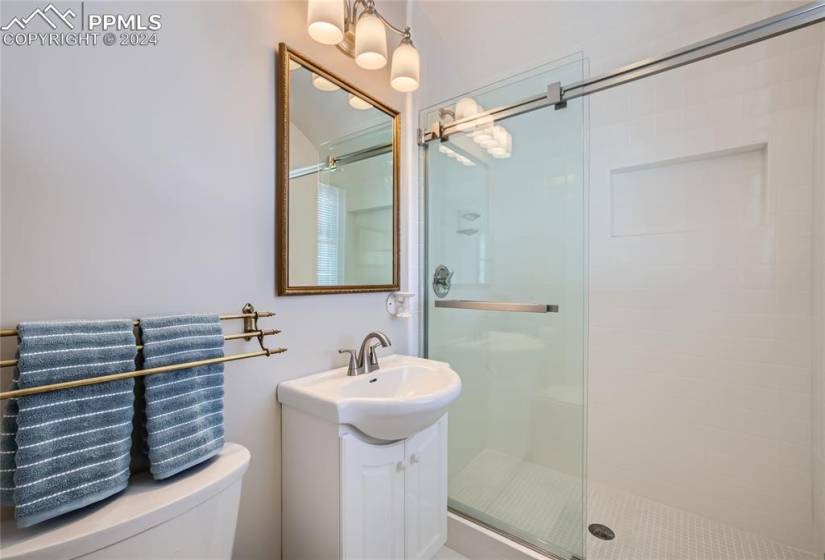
(357, 103)
(465, 108)
(370, 42)
(406, 66)
(483, 131)
(499, 144)
(322, 83)
(504, 145)
(488, 138)
(325, 21)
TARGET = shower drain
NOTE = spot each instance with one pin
(602, 532)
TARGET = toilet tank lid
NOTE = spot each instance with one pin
(144, 504)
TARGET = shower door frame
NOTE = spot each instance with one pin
(550, 550)
(424, 344)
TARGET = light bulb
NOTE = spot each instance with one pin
(357, 103)
(322, 83)
(325, 21)
(370, 42)
(406, 66)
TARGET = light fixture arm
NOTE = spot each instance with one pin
(332, 23)
(352, 11)
(405, 33)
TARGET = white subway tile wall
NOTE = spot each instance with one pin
(701, 312)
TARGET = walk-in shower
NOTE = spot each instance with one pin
(677, 267)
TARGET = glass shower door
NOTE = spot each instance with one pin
(505, 306)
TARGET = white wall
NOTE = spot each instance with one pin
(819, 311)
(700, 369)
(303, 212)
(139, 181)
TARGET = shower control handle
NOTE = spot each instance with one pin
(441, 280)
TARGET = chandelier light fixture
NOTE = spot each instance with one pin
(360, 31)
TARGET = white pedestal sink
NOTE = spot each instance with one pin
(365, 461)
(402, 398)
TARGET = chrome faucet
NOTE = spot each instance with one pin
(360, 363)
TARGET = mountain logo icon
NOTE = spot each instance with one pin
(43, 14)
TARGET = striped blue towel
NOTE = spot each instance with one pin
(72, 446)
(8, 447)
(184, 409)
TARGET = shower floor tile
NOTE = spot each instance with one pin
(539, 501)
(648, 530)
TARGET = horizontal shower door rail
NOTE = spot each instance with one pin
(497, 306)
(762, 30)
(557, 95)
(333, 162)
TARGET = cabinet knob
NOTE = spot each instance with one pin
(413, 459)
(399, 466)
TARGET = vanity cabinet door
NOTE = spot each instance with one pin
(426, 491)
(372, 500)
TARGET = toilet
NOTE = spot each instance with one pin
(192, 515)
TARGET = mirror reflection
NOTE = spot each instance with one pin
(340, 185)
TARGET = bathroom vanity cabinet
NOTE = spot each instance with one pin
(348, 496)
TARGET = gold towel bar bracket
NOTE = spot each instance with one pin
(250, 330)
(250, 325)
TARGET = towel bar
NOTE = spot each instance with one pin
(234, 336)
(245, 315)
(251, 330)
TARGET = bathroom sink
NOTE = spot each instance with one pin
(402, 398)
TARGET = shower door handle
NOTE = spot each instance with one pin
(497, 306)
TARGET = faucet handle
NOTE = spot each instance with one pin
(372, 355)
(352, 368)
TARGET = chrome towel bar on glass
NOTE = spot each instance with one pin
(497, 306)
(250, 325)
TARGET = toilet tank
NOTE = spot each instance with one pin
(192, 515)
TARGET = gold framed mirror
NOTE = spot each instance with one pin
(337, 184)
